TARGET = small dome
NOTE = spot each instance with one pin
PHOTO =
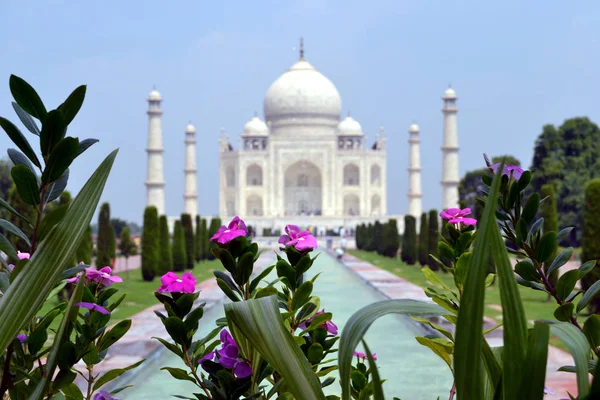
(190, 129)
(414, 128)
(154, 95)
(449, 93)
(349, 126)
(256, 127)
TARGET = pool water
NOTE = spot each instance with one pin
(412, 371)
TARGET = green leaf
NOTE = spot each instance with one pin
(586, 267)
(532, 386)
(85, 144)
(191, 321)
(62, 335)
(524, 180)
(19, 158)
(561, 259)
(532, 285)
(564, 312)
(521, 231)
(111, 337)
(256, 281)
(60, 159)
(536, 227)
(566, 283)
(31, 287)
(266, 292)
(302, 295)
(27, 97)
(579, 348)
(172, 347)
(179, 374)
(530, 208)
(19, 140)
(285, 271)
(26, 119)
(438, 328)
(53, 131)
(315, 353)
(72, 104)
(177, 330)
(595, 391)
(243, 268)
(439, 349)
(591, 329)
(114, 373)
(14, 212)
(546, 248)
(260, 323)
(461, 268)
(588, 296)
(563, 233)
(227, 290)
(27, 184)
(527, 271)
(375, 379)
(51, 219)
(433, 278)
(72, 392)
(358, 324)
(56, 188)
(9, 227)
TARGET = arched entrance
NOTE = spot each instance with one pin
(302, 188)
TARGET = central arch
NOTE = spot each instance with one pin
(303, 189)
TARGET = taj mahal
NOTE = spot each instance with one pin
(303, 163)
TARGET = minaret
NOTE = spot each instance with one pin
(414, 172)
(450, 152)
(155, 183)
(190, 196)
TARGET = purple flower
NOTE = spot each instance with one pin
(549, 391)
(363, 356)
(22, 337)
(225, 234)
(300, 240)
(171, 283)
(102, 276)
(229, 356)
(329, 326)
(104, 396)
(93, 307)
(23, 256)
(512, 171)
(456, 215)
(11, 267)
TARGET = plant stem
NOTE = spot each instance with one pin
(39, 218)
(6, 378)
(452, 391)
(201, 383)
(90, 380)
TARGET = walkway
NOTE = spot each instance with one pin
(394, 287)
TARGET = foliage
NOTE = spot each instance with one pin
(105, 239)
(5, 180)
(179, 255)
(165, 263)
(432, 240)
(390, 239)
(150, 243)
(84, 251)
(118, 224)
(423, 240)
(198, 239)
(377, 236)
(204, 239)
(549, 214)
(409, 240)
(215, 224)
(28, 213)
(591, 238)
(188, 230)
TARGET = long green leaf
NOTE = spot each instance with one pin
(19, 140)
(359, 323)
(260, 322)
(27, 97)
(9, 227)
(26, 119)
(377, 385)
(579, 348)
(62, 335)
(588, 296)
(14, 212)
(27, 293)
(532, 386)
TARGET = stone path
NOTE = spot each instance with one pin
(394, 287)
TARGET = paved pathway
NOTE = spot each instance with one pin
(395, 287)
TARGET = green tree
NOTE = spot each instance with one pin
(590, 249)
(179, 257)
(150, 252)
(198, 239)
(409, 240)
(118, 224)
(188, 230)
(6, 181)
(84, 251)
(126, 246)
(215, 224)
(550, 215)
(204, 239)
(433, 238)
(377, 236)
(390, 239)
(369, 240)
(423, 240)
(165, 263)
(105, 240)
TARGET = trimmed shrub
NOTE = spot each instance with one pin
(198, 239)
(358, 237)
(590, 243)
(84, 251)
(433, 238)
(188, 231)
(377, 236)
(150, 254)
(390, 239)
(215, 224)
(105, 238)
(204, 239)
(423, 240)
(165, 263)
(369, 241)
(409, 240)
(179, 258)
(549, 212)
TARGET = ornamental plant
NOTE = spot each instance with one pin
(433, 238)
(179, 256)
(198, 239)
(423, 240)
(150, 243)
(165, 263)
(105, 233)
(188, 230)
(409, 240)
(33, 366)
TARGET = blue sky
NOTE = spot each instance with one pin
(515, 66)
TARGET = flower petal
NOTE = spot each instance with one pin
(242, 370)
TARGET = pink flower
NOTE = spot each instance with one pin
(93, 307)
(102, 276)
(300, 240)
(225, 234)
(229, 356)
(512, 171)
(23, 256)
(363, 356)
(456, 215)
(329, 326)
(171, 283)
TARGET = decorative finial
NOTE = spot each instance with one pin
(382, 130)
(255, 114)
(349, 115)
(154, 87)
(301, 49)
(223, 133)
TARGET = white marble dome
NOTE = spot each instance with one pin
(414, 128)
(449, 93)
(256, 127)
(349, 127)
(302, 92)
(154, 95)
(190, 129)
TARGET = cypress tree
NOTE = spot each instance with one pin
(179, 258)
(84, 251)
(369, 239)
(590, 244)
(204, 239)
(105, 240)
(358, 237)
(150, 253)
(112, 243)
(391, 239)
(215, 224)
(423, 240)
(188, 230)
(198, 238)
(549, 212)
(165, 256)
(432, 240)
(377, 236)
(409, 240)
